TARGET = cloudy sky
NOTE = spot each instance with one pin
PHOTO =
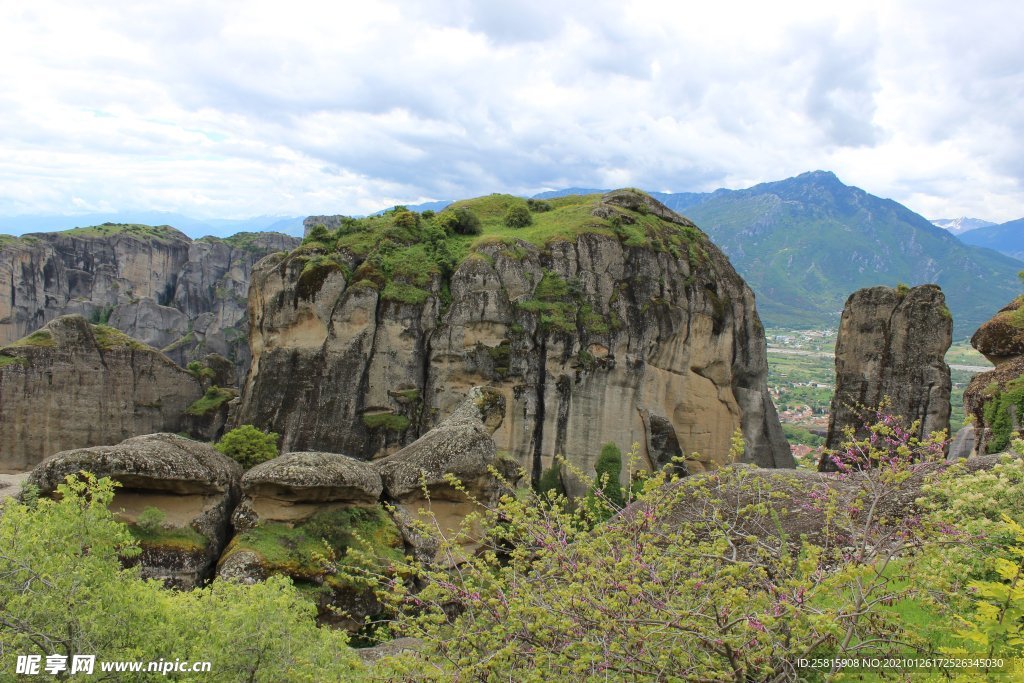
(234, 109)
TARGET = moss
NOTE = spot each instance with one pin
(184, 539)
(309, 549)
(313, 275)
(404, 294)
(593, 322)
(212, 400)
(185, 340)
(108, 338)
(501, 357)
(586, 360)
(390, 421)
(38, 339)
(6, 360)
(405, 395)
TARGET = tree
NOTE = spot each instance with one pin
(460, 220)
(248, 446)
(518, 216)
(609, 473)
(64, 591)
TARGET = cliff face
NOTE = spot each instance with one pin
(153, 283)
(73, 385)
(608, 319)
(892, 343)
(995, 399)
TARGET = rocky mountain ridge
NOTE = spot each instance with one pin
(186, 297)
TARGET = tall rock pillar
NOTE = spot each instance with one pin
(892, 344)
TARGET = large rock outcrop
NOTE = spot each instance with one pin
(73, 385)
(190, 483)
(153, 283)
(892, 345)
(616, 314)
(300, 515)
(995, 399)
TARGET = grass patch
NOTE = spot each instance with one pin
(403, 293)
(39, 339)
(185, 539)
(390, 421)
(108, 338)
(307, 550)
(161, 233)
(211, 401)
(12, 360)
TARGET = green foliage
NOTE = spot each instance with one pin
(998, 411)
(151, 519)
(212, 400)
(318, 548)
(803, 436)
(551, 481)
(318, 234)
(518, 217)
(109, 338)
(64, 591)
(609, 473)
(403, 293)
(200, 371)
(101, 315)
(390, 421)
(159, 233)
(538, 205)
(248, 446)
(6, 360)
(459, 220)
(39, 338)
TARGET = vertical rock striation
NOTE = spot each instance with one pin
(72, 385)
(626, 324)
(892, 344)
(185, 297)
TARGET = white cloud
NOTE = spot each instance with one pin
(245, 108)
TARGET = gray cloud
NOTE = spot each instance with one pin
(230, 109)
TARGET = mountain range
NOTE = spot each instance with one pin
(803, 244)
(193, 227)
(1007, 238)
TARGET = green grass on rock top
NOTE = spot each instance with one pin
(402, 253)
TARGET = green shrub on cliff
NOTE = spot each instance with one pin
(248, 446)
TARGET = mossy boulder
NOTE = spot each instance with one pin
(1002, 338)
(194, 487)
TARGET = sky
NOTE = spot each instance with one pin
(236, 109)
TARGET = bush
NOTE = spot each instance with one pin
(518, 217)
(461, 221)
(151, 519)
(609, 471)
(538, 205)
(248, 446)
(551, 480)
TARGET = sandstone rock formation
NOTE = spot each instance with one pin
(193, 485)
(416, 478)
(153, 283)
(628, 317)
(72, 384)
(892, 344)
(300, 514)
(995, 399)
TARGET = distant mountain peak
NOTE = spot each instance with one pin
(958, 226)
